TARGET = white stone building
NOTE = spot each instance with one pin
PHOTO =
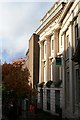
(69, 35)
(50, 97)
(58, 37)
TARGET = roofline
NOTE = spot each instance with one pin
(37, 31)
(49, 10)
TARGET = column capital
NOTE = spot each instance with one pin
(47, 38)
(54, 31)
(40, 43)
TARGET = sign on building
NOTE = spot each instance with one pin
(58, 61)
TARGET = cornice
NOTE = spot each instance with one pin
(52, 10)
(66, 10)
(55, 14)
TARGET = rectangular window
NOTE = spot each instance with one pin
(48, 99)
(77, 86)
(67, 41)
(52, 70)
(41, 98)
(44, 71)
(67, 46)
(76, 35)
(57, 101)
(45, 49)
(67, 89)
(61, 40)
(52, 44)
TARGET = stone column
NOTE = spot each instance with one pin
(48, 77)
(41, 64)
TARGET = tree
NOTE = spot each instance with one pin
(15, 80)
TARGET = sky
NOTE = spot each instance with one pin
(18, 21)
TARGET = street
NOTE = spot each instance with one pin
(40, 115)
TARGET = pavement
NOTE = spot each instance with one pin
(39, 115)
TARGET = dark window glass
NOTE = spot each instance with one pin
(57, 101)
(48, 99)
(76, 35)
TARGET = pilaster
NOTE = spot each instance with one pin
(48, 48)
(41, 68)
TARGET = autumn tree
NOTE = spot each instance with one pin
(15, 81)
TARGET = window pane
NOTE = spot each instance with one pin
(76, 35)
(48, 99)
(57, 101)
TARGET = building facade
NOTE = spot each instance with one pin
(69, 36)
(50, 97)
(32, 62)
(59, 78)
